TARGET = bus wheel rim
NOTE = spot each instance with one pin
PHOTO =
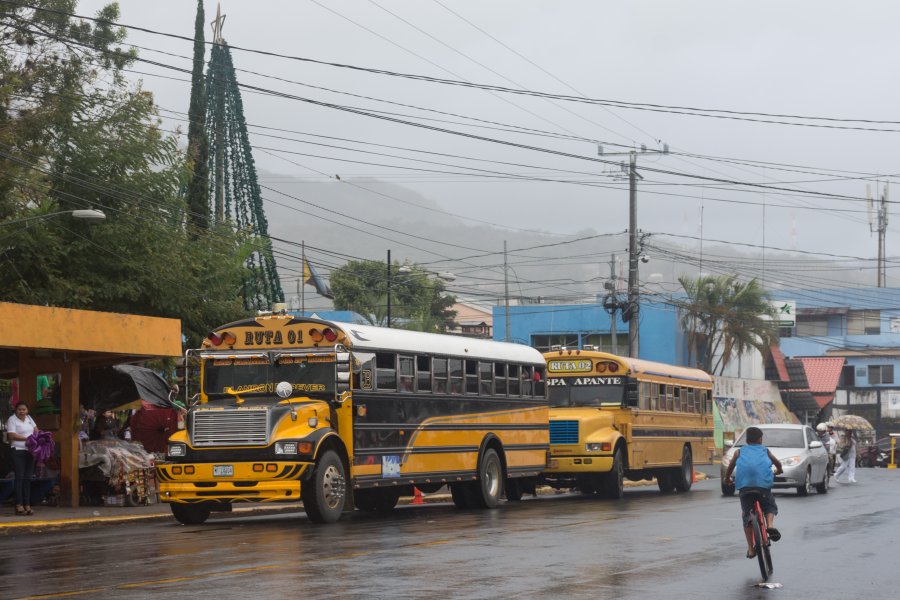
(332, 486)
(492, 479)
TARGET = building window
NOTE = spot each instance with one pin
(543, 342)
(603, 342)
(808, 327)
(848, 376)
(864, 322)
(881, 374)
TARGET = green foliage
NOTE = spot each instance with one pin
(75, 135)
(417, 301)
(198, 143)
(723, 318)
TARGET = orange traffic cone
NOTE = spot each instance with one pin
(693, 475)
(417, 496)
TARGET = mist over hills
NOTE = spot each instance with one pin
(341, 219)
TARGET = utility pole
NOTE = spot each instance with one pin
(301, 287)
(632, 310)
(611, 303)
(881, 227)
(389, 289)
(506, 289)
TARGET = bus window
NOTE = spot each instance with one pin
(676, 399)
(406, 373)
(456, 375)
(440, 375)
(385, 371)
(540, 382)
(513, 381)
(707, 402)
(500, 379)
(486, 378)
(364, 371)
(692, 400)
(644, 403)
(670, 398)
(527, 381)
(654, 396)
(423, 373)
(471, 376)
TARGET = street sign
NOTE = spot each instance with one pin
(785, 312)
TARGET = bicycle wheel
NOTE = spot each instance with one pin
(758, 545)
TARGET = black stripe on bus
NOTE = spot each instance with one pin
(441, 449)
(452, 426)
(653, 432)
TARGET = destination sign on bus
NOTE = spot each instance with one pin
(570, 366)
(576, 381)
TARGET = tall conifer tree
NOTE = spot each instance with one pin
(198, 144)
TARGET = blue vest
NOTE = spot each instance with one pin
(753, 468)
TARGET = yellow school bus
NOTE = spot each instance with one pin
(613, 418)
(338, 414)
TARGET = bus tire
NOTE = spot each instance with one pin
(513, 490)
(460, 494)
(190, 514)
(489, 487)
(614, 486)
(665, 482)
(684, 475)
(376, 500)
(325, 493)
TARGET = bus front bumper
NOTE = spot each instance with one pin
(579, 464)
(230, 482)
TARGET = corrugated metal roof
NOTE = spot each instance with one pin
(777, 361)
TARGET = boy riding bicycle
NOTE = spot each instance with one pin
(754, 479)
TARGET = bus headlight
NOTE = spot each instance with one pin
(598, 447)
(285, 447)
(176, 450)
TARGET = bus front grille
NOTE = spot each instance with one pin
(563, 432)
(241, 427)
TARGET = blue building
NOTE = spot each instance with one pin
(577, 325)
(862, 326)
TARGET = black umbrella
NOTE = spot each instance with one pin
(107, 388)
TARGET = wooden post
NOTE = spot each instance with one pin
(27, 380)
(69, 444)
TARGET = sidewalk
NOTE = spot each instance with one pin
(58, 517)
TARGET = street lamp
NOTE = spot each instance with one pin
(91, 215)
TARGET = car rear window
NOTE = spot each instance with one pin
(778, 438)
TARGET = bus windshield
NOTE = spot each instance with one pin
(259, 375)
(586, 395)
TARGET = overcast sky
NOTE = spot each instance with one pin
(814, 58)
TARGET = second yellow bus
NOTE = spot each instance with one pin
(613, 418)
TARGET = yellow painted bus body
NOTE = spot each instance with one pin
(614, 407)
(385, 438)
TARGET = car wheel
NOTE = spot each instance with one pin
(822, 488)
(806, 488)
(727, 490)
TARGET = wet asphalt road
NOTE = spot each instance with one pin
(844, 543)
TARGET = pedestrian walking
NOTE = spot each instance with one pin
(19, 427)
(847, 451)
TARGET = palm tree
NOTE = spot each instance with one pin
(723, 318)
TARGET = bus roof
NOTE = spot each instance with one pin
(367, 337)
(637, 365)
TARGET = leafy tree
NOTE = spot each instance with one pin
(417, 301)
(75, 134)
(723, 318)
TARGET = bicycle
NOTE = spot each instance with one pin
(761, 542)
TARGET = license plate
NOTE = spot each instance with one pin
(223, 470)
